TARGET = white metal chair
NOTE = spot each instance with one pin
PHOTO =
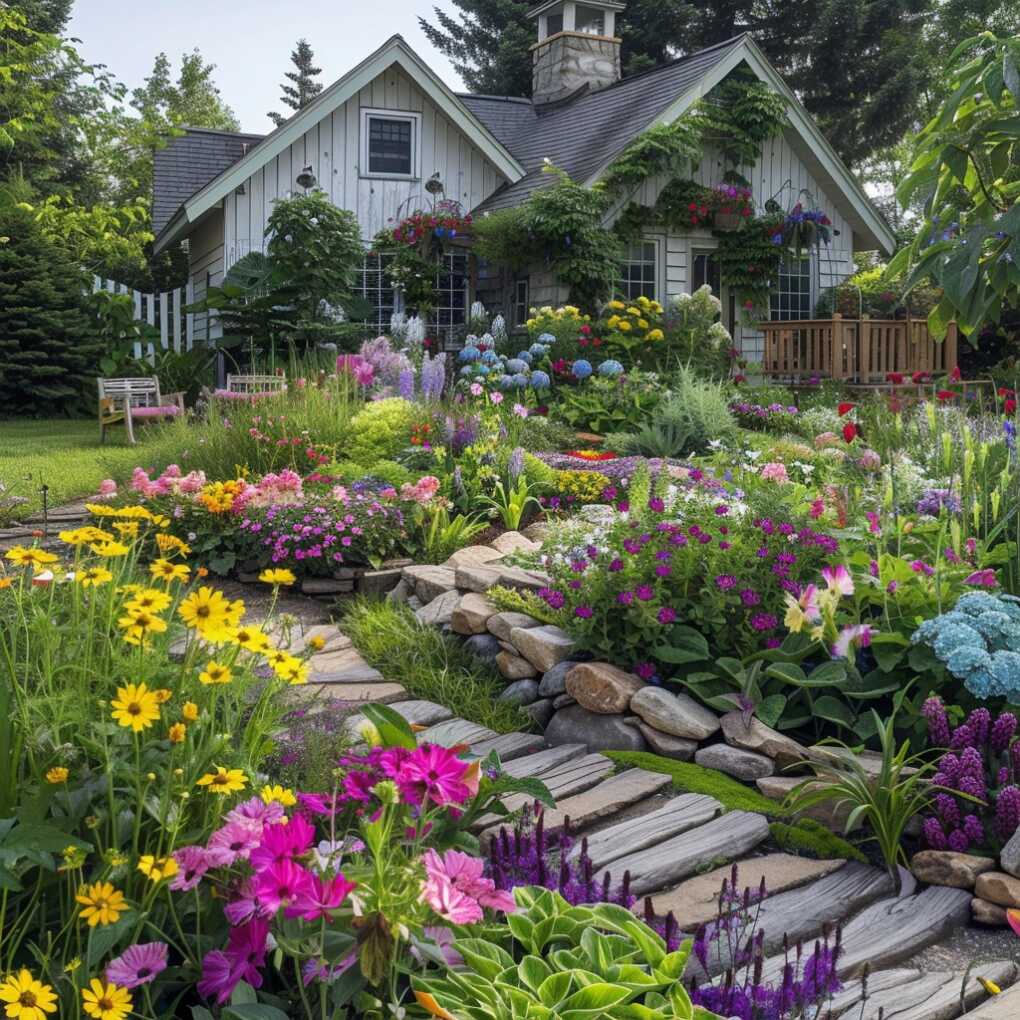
(125, 401)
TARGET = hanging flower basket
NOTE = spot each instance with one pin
(728, 221)
(732, 204)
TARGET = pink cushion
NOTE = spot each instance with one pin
(167, 411)
(234, 395)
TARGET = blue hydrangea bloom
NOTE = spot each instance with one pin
(540, 380)
(965, 659)
(520, 380)
(955, 635)
(482, 369)
(1005, 672)
(581, 369)
(538, 350)
(546, 338)
(505, 382)
(469, 354)
(490, 357)
(515, 365)
(467, 371)
(524, 356)
(610, 368)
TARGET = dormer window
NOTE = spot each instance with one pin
(554, 24)
(389, 143)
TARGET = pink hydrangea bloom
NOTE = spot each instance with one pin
(774, 471)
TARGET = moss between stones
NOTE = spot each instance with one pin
(812, 839)
(690, 778)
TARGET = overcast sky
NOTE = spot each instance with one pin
(249, 41)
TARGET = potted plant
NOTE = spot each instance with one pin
(733, 206)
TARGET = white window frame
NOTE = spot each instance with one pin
(414, 119)
(776, 292)
(375, 293)
(447, 306)
(657, 266)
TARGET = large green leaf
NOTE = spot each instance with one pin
(393, 728)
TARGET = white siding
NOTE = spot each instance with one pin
(332, 147)
(779, 174)
(205, 268)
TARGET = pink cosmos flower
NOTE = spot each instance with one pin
(283, 883)
(246, 905)
(245, 954)
(456, 889)
(282, 843)
(854, 636)
(520, 410)
(838, 579)
(321, 896)
(192, 863)
(137, 965)
(257, 810)
(235, 841)
(434, 772)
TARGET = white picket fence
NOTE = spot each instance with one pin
(163, 311)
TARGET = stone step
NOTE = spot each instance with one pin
(892, 930)
(696, 901)
(352, 694)
(352, 675)
(905, 994)
(543, 761)
(681, 814)
(422, 713)
(1002, 1007)
(509, 746)
(608, 798)
(335, 640)
(455, 731)
(338, 661)
(716, 842)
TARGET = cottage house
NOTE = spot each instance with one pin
(376, 137)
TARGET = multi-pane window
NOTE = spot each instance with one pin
(791, 294)
(705, 269)
(377, 290)
(452, 292)
(389, 144)
(521, 302)
(639, 271)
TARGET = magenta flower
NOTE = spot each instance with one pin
(656, 505)
(282, 883)
(982, 578)
(584, 612)
(257, 810)
(644, 670)
(625, 598)
(838, 579)
(644, 592)
(192, 863)
(456, 889)
(235, 841)
(138, 964)
(856, 636)
(246, 905)
(434, 772)
(666, 615)
(245, 954)
(320, 898)
(282, 843)
(616, 564)
(725, 581)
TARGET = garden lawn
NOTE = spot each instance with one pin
(66, 456)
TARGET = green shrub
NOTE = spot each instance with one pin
(812, 839)
(733, 795)
(380, 430)
(388, 471)
(430, 664)
(510, 600)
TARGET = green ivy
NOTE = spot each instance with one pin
(661, 148)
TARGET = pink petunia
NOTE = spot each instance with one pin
(192, 863)
(457, 872)
(838, 579)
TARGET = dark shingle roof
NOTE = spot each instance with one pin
(189, 162)
(583, 134)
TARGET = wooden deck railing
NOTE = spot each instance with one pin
(854, 350)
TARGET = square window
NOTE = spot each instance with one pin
(791, 294)
(638, 271)
(389, 144)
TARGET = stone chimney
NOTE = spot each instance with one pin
(577, 46)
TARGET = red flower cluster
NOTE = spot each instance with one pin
(1008, 399)
(413, 229)
(699, 213)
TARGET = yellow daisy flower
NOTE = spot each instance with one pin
(163, 695)
(294, 672)
(57, 774)
(224, 781)
(278, 793)
(138, 624)
(166, 571)
(206, 610)
(177, 733)
(33, 557)
(317, 642)
(168, 544)
(157, 868)
(26, 998)
(82, 536)
(277, 576)
(110, 549)
(151, 600)
(127, 529)
(93, 577)
(251, 638)
(216, 674)
(102, 903)
(190, 711)
(106, 1001)
(136, 707)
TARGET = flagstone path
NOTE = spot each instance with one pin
(634, 823)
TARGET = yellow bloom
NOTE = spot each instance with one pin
(168, 544)
(189, 710)
(103, 904)
(224, 781)
(990, 986)
(57, 774)
(157, 868)
(280, 794)
(106, 1001)
(93, 577)
(110, 549)
(127, 529)
(795, 616)
(618, 305)
(317, 642)
(624, 326)
(81, 536)
(216, 674)
(135, 707)
(206, 610)
(634, 311)
(613, 321)
(251, 638)
(643, 323)
(26, 998)
(166, 571)
(150, 599)
(33, 557)
(6, 582)
(177, 733)
(277, 576)
(163, 695)
(294, 672)
(654, 334)
(138, 624)
(278, 658)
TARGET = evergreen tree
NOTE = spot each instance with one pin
(48, 340)
(302, 88)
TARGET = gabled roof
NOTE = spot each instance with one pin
(585, 134)
(190, 161)
(394, 51)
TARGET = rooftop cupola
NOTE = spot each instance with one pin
(577, 45)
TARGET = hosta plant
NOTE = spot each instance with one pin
(572, 963)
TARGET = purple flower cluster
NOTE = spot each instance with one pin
(934, 501)
(759, 417)
(460, 432)
(982, 764)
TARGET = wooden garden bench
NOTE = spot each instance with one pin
(251, 387)
(125, 401)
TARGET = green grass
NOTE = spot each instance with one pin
(65, 455)
(809, 838)
(430, 664)
(690, 778)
